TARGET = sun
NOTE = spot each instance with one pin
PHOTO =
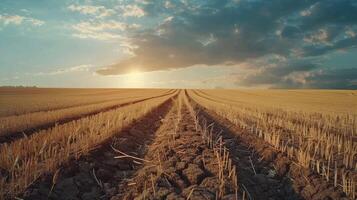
(135, 79)
(134, 72)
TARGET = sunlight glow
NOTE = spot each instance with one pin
(134, 79)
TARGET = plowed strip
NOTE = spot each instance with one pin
(182, 166)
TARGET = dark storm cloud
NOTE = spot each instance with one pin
(277, 73)
(333, 78)
(220, 32)
(300, 75)
(291, 32)
(327, 12)
(342, 44)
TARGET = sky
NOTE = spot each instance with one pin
(179, 43)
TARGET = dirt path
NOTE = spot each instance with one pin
(17, 135)
(181, 165)
(274, 176)
(97, 175)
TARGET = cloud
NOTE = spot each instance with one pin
(235, 33)
(12, 19)
(107, 30)
(199, 37)
(98, 11)
(342, 44)
(132, 11)
(330, 12)
(78, 68)
(321, 36)
(18, 20)
(333, 78)
(273, 72)
(350, 33)
(35, 22)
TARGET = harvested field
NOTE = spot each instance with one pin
(188, 144)
(319, 142)
(25, 160)
(322, 101)
(13, 127)
(18, 101)
(96, 175)
(265, 172)
(178, 100)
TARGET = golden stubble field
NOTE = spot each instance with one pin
(177, 144)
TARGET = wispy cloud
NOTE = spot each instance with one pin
(107, 30)
(319, 37)
(78, 68)
(18, 20)
(97, 11)
(132, 11)
(102, 26)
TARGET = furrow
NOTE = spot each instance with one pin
(181, 165)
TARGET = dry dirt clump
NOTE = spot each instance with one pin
(181, 166)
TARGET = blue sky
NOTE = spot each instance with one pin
(179, 43)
